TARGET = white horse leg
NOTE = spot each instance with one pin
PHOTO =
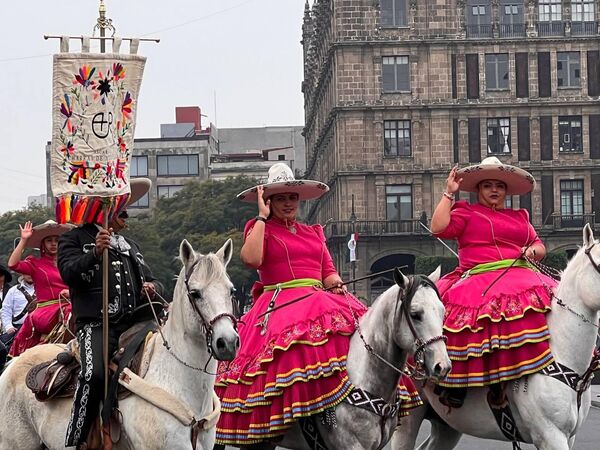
(405, 434)
(442, 437)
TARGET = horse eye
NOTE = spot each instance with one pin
(196, 295)
(232, 291)
(416, 316)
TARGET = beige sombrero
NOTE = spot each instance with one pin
(518, 181)
(48, 228)
(138, 188)
(281, 179)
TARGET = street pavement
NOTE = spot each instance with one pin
(588, 437)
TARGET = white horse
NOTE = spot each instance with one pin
(405, 319)
(545, 409)
(202, 301)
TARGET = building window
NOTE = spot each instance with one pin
(177, 165)
(498, 136)
(570, 136)
(568, 69)
(396, 138)
(143, 202)
(571, 203)
(280, 157)
(508, 202)
(398, 200)
(479, 22)
(395, 74)
(583, 11)
(512, 22)
(550, 10)
(394, 13)
(168, 191)
(550, 18)
(496, 71)
(138, 166)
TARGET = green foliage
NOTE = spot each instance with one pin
(427, 264)
(206, 213)
(556, 259)
(9, 226)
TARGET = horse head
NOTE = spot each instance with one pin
(585, 266)
(419, 316)
(205, 294)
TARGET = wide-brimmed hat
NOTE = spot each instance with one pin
(48, 228)
(518, 181)
(138, 188)
(7, 275)
(281, 179)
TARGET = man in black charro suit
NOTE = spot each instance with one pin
(80, 265)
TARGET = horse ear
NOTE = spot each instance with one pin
(225, 252)
(436, 274)
(588, 236)
(186, 253)
(400, 278)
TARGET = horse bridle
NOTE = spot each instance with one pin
(419, 355)
(207, 325)
(404, 299)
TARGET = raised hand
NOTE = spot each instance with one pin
(26, 230)
(453, 182)
(264, 208)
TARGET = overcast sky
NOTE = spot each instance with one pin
(248, 52)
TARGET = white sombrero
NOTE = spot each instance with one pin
(518, 181)
(138, 188)
(46, 229)
(281, 179)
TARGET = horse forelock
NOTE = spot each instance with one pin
(417, 282)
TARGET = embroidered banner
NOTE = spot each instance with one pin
(93, 114)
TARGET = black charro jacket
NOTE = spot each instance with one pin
(82, 272)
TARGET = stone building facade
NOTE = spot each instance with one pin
(398, 91)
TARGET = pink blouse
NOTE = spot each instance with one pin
(486, 235)
(46, 278)
(289, 256)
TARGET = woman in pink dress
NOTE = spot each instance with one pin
(52, 293)
(495, 300)
(292, 362)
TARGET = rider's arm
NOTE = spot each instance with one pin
(253, 248)
(76, 266)
(6, 313)
(441, 216)
(15, 263)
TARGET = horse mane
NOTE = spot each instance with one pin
(418, 281)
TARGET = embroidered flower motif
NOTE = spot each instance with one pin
(316, 331)
(66, 109)
(68, 148)
(118, 71)
(495, 307)
(104, 88)
(127, 107)
(84, 78)
(513, 307)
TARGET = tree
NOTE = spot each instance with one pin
(9, 226)
(206, 213)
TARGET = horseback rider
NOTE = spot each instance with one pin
(292, 362)
(52, 293)
(131, 291)
(496, 299)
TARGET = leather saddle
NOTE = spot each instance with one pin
(58, 378)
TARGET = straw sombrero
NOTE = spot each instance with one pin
(518, 181)
(48, 228)
(138, 188)
(281, 179)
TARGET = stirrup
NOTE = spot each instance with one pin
(451, 397)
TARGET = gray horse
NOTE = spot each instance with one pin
(405, 319)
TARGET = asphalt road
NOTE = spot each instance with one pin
(588, 438)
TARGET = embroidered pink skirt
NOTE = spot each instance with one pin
(38, 323)
(296, 369)
(500, 335)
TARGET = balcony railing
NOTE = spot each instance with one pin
(551, 28)
(512, 29)
(584, 28)
(374, 227)
(566, 221)
(477, 31)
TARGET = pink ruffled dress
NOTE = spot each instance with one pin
(298, 366)
(499, 334)
(48, 284)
